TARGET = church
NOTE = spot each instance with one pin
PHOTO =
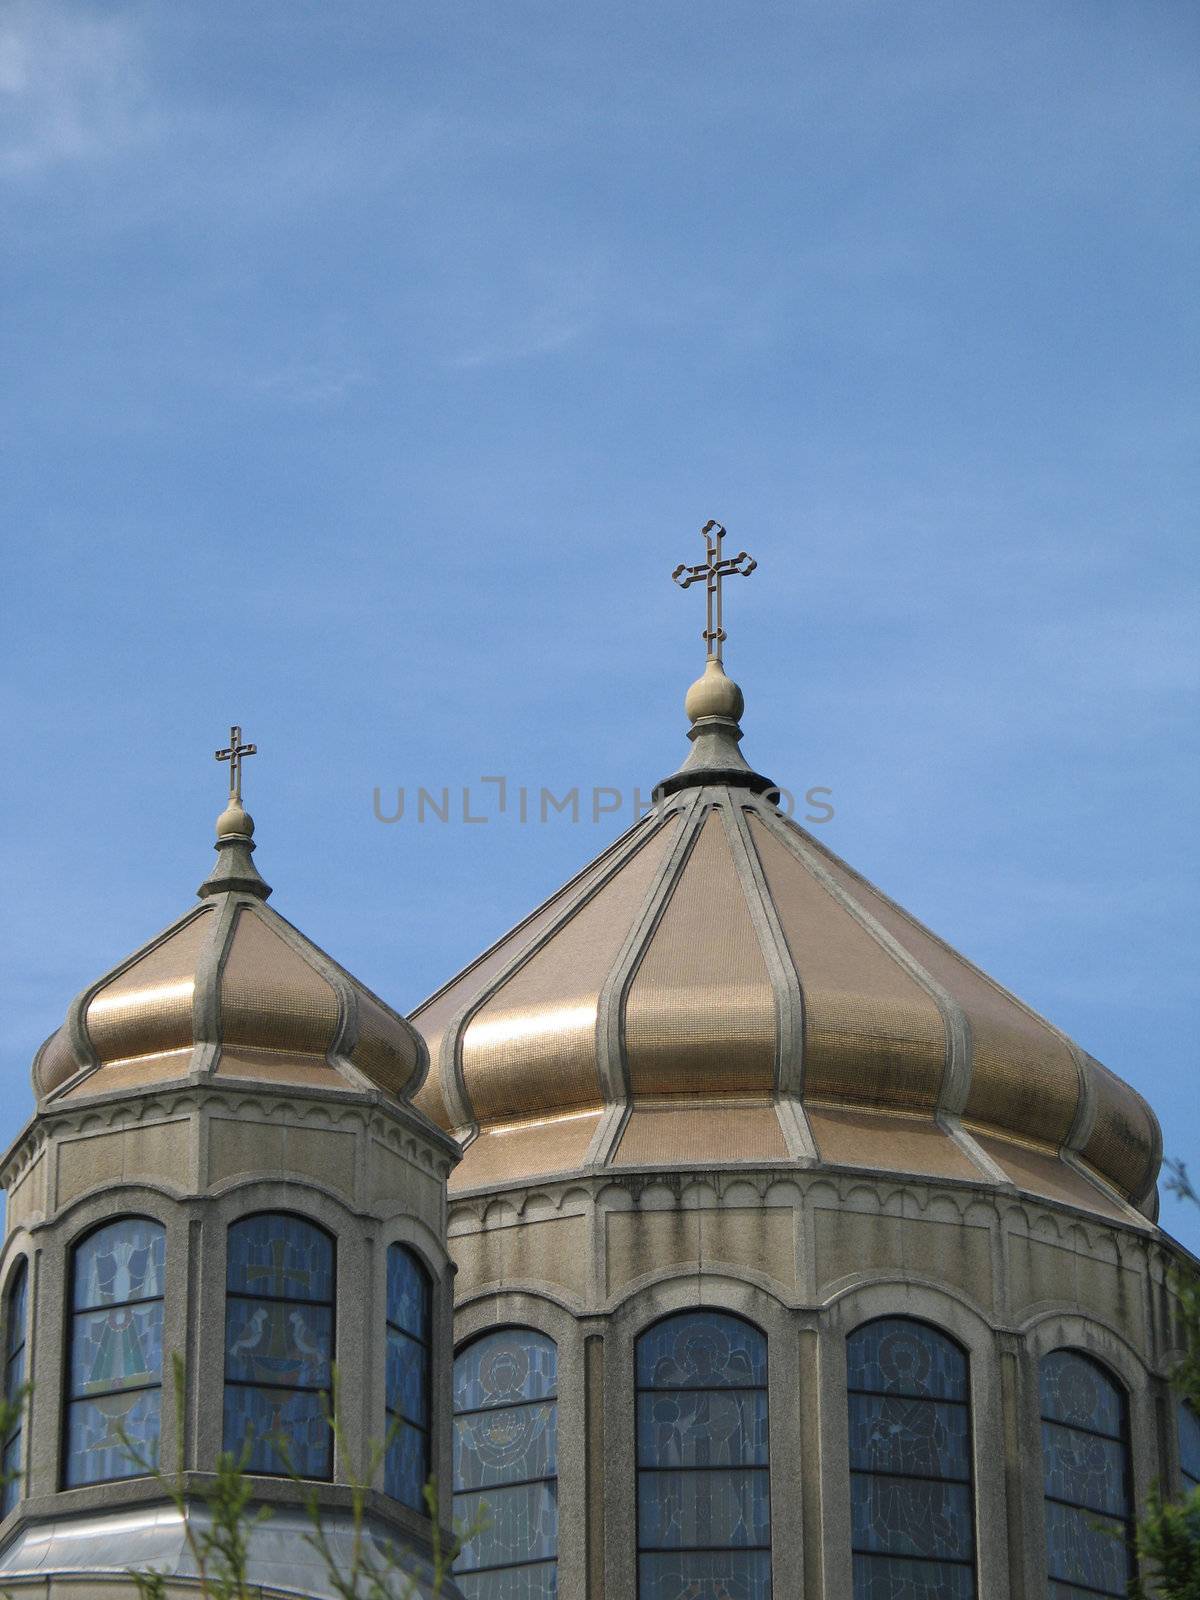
(720, 1233)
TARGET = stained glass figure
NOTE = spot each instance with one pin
(703, 1502)
(114, 1376)
(14, 1377)
(911, 1503)
(406, 1468)
(1189, 1446)
(1085, 1463)
(506, 1465)
(279, 1293)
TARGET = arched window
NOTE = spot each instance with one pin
(1189, 1446)
(406, 1469)
(703, 1502)
(911, 1516)
(1085, 1459)
(279, 1294)
(15, 1313)
(114, 1374)
(506, 1465)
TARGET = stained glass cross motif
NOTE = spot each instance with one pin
(280, 1277)
(711, 572)
(235, 753)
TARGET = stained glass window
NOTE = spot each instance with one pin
(1085, 1465)
(406, 1468)
(911, 1513)
(703, 1490)
(279, 1293)
(14, 1376)
(114, 1376)
(1189, 1446)
(506, 1465)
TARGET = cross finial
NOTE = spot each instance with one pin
(235, 755)
(711, 571)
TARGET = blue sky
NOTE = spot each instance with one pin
(367, 368)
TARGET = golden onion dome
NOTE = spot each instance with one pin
(718, 988)
(229, 991)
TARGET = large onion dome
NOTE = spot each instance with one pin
(719, 988)
(229, 991)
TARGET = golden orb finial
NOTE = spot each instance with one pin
(714, 695)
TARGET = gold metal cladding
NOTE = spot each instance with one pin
(385, 1049)
(700, 1013)
(1040, 1171)
(532, 1046)
(887, 1141)
(437, 1014)
(669, 1133)
(55, 1062)
(871, 1033)
(1023, 1075)
(147, 1008)
(712, 572)
(235, 755)
(515, 1151)
(270, 997)
(1122, 1141)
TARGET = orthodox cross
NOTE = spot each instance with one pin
(711, 571)
(234, 754)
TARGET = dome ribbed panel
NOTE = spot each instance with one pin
(1123, 1141)
(532, 1047)
(871, 1033)
(700, 1014)
(1023, 1075)
(147, 1009)
(385, 1050)
(271, 999)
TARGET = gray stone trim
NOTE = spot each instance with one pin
(206, 995)
(610, 1010)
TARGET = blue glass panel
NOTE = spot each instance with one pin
(407, 1377)
(12, 1473)
(408, 1293)
(522, 1525)
(706, 1428)
(94, 1449)
(280, 1256)
(1189, 1444)
(509, 1446)
(406, 1465)
(1076, 1391)
(18, 1291)
(1083, 1551)
(711, 1575)
(896, 1356)
(896, 1435)
(514, 1583)
(702, 1350)
(503, 1368)
(911, 1517)
(1085, 1470)
(272, 1342)
(14, 1373)
(264, 1416)
(699, 1510)
(891, 1578)
(119, 1348)
(122, 1261)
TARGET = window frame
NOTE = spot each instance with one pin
(521, 1483)
(639, 1389)
(18, 1280)
(968, 1409)
(71, 1312)
(331, 1304)
(393, 1416)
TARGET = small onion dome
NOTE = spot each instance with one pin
(719, 988)
(230, 991)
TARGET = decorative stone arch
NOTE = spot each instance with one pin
(649, 1302)
(950, 1312)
